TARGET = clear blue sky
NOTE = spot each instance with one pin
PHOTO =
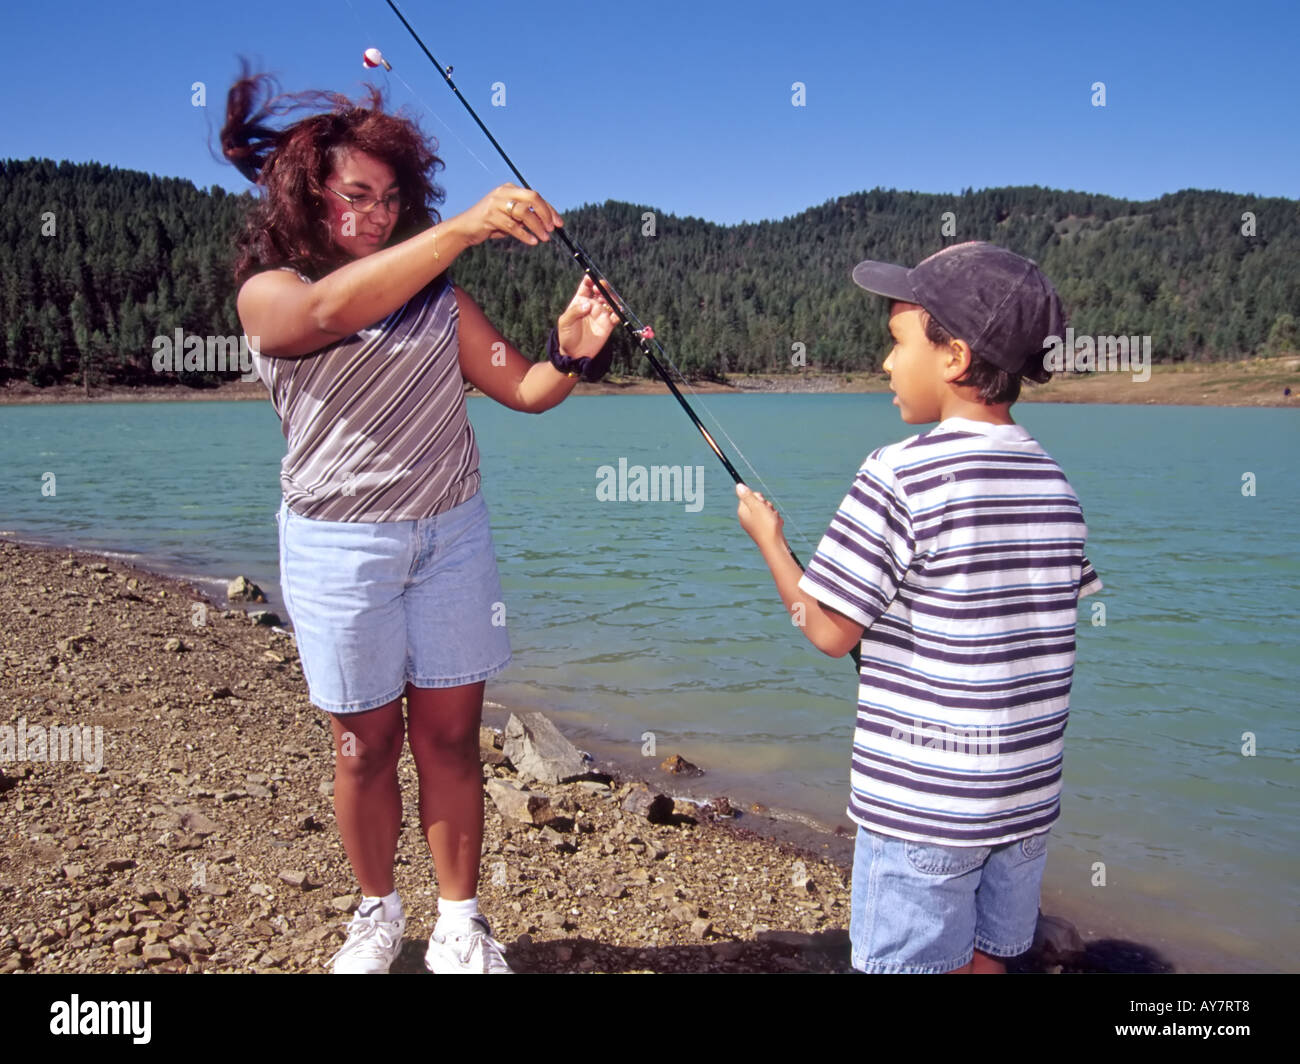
(687, 106)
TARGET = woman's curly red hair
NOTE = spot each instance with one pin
(286, 227)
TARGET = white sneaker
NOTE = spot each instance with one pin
(472, 950)
(372, 946)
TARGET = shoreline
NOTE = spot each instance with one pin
(237, 666)
(1254, 382)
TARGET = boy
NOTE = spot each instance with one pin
(957, 560)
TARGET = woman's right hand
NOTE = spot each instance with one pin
(508, 211)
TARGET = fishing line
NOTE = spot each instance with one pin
(421, 101)
(643, 334)
(699, 398)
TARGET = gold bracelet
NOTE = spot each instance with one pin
(436, 256)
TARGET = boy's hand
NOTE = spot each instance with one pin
(758, 517)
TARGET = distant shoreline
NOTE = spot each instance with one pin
(1254, 382)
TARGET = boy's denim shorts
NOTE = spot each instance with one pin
(921, 908)
(377, 605)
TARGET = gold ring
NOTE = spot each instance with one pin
(510, 208)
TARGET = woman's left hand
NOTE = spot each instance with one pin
(586, 323)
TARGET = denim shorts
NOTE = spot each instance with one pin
(377, 605)
(920, 908)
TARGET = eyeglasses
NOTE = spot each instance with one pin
(365, 204)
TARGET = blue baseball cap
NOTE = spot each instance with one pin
(999, 302)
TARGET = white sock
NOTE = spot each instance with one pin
(457, 913)
(391, 907)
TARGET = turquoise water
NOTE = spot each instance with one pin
(630, 618)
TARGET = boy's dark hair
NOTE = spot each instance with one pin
(995, 385)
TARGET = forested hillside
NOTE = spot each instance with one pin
(95, 262)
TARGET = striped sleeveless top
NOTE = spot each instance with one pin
(376, 423)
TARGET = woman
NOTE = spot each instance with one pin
(386, 557)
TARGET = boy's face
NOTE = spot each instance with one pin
(915, 366)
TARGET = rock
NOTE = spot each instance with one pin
(685, 912)
(126, 944)
(119, 864)
(74, 644)
(679, 766)
(700, 928)
(343, 903)
(800, 879)
(489, 747)
(551, 921)
(265, 618)
(552, 837)
(241, 589)
(656, 808)
(175, 645)
(612, 888)
(326, 788)
(514, 803)
(1056, 938)
(790, 939)
(665, 891)
(157, 952)
(256, 790)
(296, 879)
(196, 823)
(722, 806)
(73, 871)
(539, 752)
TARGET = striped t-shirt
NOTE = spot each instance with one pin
(376, 422)
(961, 552)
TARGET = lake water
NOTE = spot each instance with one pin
(630, 618)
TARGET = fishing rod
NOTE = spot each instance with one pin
(643, 335)
(640, 333)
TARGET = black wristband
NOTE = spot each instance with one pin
(587, 369)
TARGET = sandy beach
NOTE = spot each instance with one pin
(198, 833)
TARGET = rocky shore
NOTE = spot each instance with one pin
(165, 805)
